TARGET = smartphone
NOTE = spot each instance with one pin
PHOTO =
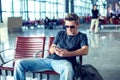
(58, 47)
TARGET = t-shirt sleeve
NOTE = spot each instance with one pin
(84, 40)
(57, 38)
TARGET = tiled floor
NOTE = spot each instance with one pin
(104, 52)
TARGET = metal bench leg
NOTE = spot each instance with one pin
(4, 76)
(48, 76)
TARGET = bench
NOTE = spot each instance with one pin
(26, 47)
(115, 26)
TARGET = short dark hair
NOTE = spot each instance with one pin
(72, 17)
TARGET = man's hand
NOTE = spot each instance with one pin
(62, 52)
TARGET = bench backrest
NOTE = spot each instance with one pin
(51, 39)
(27, 46)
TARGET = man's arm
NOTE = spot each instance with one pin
(52, 49)
(78, 52)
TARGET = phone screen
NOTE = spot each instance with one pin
(58, 47)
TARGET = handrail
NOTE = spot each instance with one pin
(2, 59)
(36, 53)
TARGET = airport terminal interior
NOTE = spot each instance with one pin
(27, 18)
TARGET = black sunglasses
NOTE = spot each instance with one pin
(72, 27)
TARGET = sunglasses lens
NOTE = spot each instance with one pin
(70, 27)
(67, 26)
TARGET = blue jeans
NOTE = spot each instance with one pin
(63, 67)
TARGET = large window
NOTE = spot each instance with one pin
(102, 7)
(82, 7)
(39, 9)
(33, 9)
(7, 10)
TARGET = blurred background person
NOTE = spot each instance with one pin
(110, 14)
(95, 19)
(117, 10)
(46, 22)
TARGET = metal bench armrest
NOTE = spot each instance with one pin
(38, 52)
(5, 59)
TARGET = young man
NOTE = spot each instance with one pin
(66, 46)
(95, 19)
(110, 14)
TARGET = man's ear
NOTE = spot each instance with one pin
(78, 25)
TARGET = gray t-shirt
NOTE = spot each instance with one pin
(70, 43)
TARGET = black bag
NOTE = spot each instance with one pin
(86, 72)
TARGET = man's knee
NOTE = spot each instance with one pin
(18, 62)
(68, 67)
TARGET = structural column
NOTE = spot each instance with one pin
(72, 6)
(1, 12)
(66, 6)
(69, 6)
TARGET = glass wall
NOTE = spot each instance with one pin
(33, 9)
(102, 6)
(39, 9)
(82, 7)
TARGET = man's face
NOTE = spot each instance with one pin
(71, 27)
(95, 7)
